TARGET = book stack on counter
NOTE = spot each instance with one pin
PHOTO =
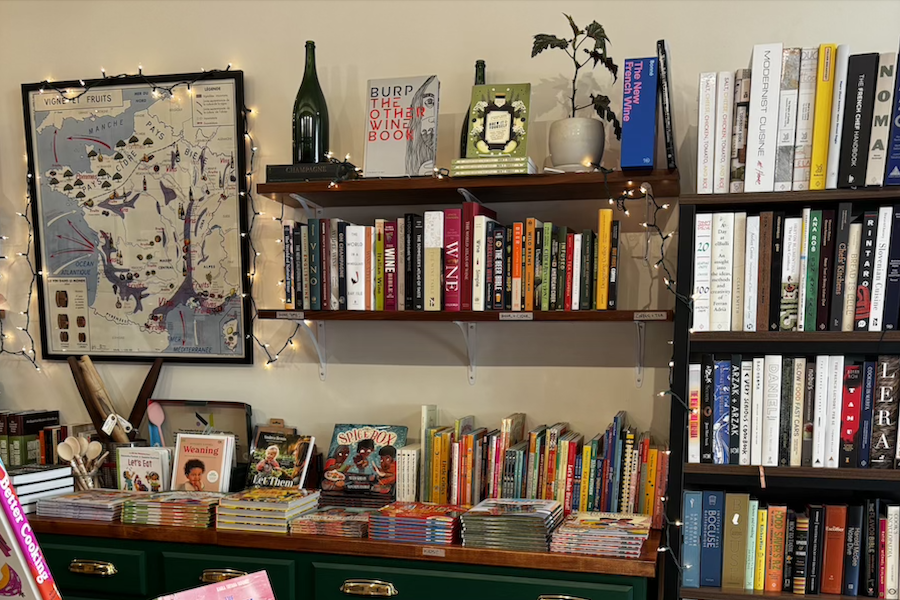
(735, 541)
(458, 259)
(89, 505)
(416, 523)
(492, 165)
(619, 535)
(809, 270)
(780, 411)
(33, 482)
(174, 509)
(265, 509)
(334, 521)
(837, 122)
(511, 524)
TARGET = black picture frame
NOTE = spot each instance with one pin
(241, 177)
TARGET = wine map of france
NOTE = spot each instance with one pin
(139, 216)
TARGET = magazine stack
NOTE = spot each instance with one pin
(334, 521)
(265, 509)
(175, 509)
(416, 523)
(617, 535)
(90, 505)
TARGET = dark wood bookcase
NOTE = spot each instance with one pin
(790, 484)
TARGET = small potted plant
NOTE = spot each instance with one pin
(578, 142)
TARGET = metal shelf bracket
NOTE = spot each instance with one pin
(649, 207)
(469, 196)
(639, 350)
(311, 212)
(318, 342)
(469, 335)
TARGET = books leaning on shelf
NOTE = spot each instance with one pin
(458, 259)
(804, 270)
(837, 126)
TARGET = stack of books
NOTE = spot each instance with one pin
(618, 535)
(174, 509)
(492, 165)
(265, 509)
(333, 521)
(416, 523)
(33, 482)
(90, 505)
(511, 524)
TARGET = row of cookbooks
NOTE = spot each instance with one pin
(811, 118)
(457, 259)
(820, 411)
(815, 270)
(735, 541)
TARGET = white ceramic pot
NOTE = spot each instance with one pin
(576, 141)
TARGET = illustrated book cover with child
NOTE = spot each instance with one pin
(361, 468)
(202, 463)
(280, 460)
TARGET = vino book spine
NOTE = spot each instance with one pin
(853, 549)
(721, 276)
(763, 119)
(738, 286)
(881, 119)
(866, 414)
(892, 288)
(734, 418)
(838, 103)
(722, 137)
(826, 268)
(866, 271)
(751, 268)
(862, 71)
(775, 280)
(706, 133)
(707, 401)
(851, 398)
(342, 264)
(390, 266)
(315, 283)
(766, 223)
(822, 115)
(884, 427)
(850, 282)
(879, 270)
(739, 130)
(757, 411)
(787, 119)
(806, 106)
(452, 259)
(842, 239)
(814, 549)
(784, 419)
(711, 539)
(665, 101)
(703, 239)
(833, 548)
(777, 529)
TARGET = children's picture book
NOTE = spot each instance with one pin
(401, 126)
(362, 459)
(498, 120)
(280, 460)
(202, 463)
(144, 469)
(255, 586)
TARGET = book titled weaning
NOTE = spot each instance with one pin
(401, 126)
(202, 463)
(639, 113)
(763, 120)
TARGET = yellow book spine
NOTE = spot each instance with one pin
(759, 576)
(650, 488)
(562, 463)
(585, 476)
(446, 443)
(436, 451)
(379, 264)
(822, 116)
(604, 239)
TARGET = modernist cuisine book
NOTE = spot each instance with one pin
(401, 126)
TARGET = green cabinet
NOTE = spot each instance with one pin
(183, 570)
(111, 570)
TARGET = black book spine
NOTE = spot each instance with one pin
(707, 391)
(507, 272)
(342, 265)
(853, 544)
(419, 257)
(801, 545)
(871, 549)
(826, 271)
(734, 426)
(892, 291)
(814, 549)
(498, 289)
(862, 71)
(864, 279)
(790, 537)
(298, 265)
(554, 266)
(665, 101)
(809, 405)
(784, 420)
(775, 275)
(614, 266)
(841, 241)
(315, 265)
(409, 267)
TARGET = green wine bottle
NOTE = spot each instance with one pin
(464, 135)
(310, 115)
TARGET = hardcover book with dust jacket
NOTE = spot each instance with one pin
(763, 120)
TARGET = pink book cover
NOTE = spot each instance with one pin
(390, 265)
(570, 268)
(452, 262)
(469, 211)
(882, 555)
(254, 586)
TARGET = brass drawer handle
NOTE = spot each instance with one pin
(217, 575)
(94, 568)
(369, 587)
(558, 597)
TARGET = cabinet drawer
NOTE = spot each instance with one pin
(183, 571)
(72, 570)
(335, 582)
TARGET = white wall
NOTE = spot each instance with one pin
(381, 372)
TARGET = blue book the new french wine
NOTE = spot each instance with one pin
(639, 113)
(892, 170)
(721, 411)
(690, 541)
(866, 413)
(711, 539)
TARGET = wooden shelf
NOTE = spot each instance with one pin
(423, 191)
(864, 480)
(710, 593)
(825, 342)
(808, 197)
(608, 316)
(645, 566)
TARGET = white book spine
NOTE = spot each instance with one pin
(757, 411)
(892, 554)
(739, 130)
(881, 118)
(479, 230)
(804, 267)
(841, 60)
(702, 271)
(879, 273)
(806, 108)
(746, 411)
(304, 240)
(848, 316)
(724, 116)
(434, 264)
(738, 290)
(820, 412)
(797, 412)
(787, 119)
(401, 264)
(790, 275)
(694, 416)
(752, 524)
(772, 411)
(454, 474)
(751, 268)
(356, 267)
(333, 301)
(576, 277)
(835, 403)
(721, 275)
(762, 130)
(706, 133)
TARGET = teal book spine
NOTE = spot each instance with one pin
(315, 265)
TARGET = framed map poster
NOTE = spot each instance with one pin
(140, 217)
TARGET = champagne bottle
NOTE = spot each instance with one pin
(310, 117)
(464, 136)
